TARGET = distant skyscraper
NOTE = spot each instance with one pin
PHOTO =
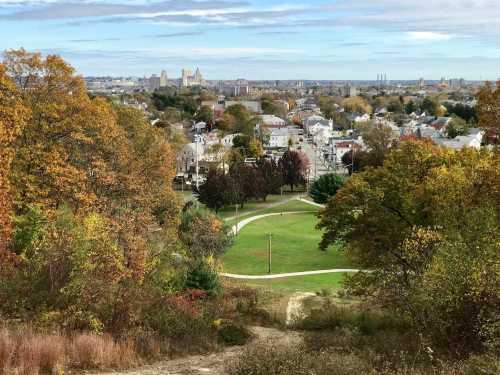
(421, 83)
(154, 82)
(188, 79)
(349, 90)
(163, 79)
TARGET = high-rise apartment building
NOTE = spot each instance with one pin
(163, 79)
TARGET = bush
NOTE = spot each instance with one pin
(325, 187)
(203, 276)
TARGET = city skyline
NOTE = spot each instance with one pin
(263, 40)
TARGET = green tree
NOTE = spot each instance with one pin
(456, 127)
(271, 173)
(325, 187)
(217, 191)
(205, 114)
(411, 107)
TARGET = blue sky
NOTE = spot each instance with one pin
(263, 39)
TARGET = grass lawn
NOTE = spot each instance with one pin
(251, 207)
(295, 246)
(311, 283)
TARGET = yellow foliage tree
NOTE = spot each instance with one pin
(12, 118)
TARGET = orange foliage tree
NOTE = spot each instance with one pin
(12, 118)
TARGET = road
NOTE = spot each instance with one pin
(318, 165)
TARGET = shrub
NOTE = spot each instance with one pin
(204, 276)
(325, 187)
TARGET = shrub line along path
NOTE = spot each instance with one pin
(237, 228)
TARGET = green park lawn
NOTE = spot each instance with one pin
(310, 283)
(294, 246)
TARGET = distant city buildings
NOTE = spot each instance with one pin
(163, 79)
(348, 90)
(154, 83)
(189, 79)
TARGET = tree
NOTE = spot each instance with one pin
(241, 115)
(411, 107)
(357, 104)
(271, 107)
(82, 152)
(226, 124)
(204, 234)
(325, 187)
(456, 127)
(171, 115)
(217, 191)
(354, 161)
(205, 114)
(248, 146)
(272, 176)
(378, 140)
(396, 105)
(249, 181)
(488, 111)
(294, 166)
(13, 115)
(424, 222)
(255, 149)
(431, 106)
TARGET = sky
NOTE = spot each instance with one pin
(263, 39)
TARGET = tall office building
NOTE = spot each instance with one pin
(421, 83)
(163, 79)
(154, 82)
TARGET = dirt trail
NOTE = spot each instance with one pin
(212, 364)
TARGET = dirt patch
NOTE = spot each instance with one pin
(212, 364)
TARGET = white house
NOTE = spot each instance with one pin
(278, 138)
(187, 156)
(473, 140)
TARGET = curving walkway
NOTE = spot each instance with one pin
(291, 274)
(237, 228)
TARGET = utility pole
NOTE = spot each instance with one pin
(270, 251)
(196, 139)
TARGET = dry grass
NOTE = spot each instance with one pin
(25, 352)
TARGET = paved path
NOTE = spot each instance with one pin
(291, 274)
(311, 202)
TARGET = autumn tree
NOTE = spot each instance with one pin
(357, 104)
(294, 167)
(13, 115)
(82, 152)
(204, 234)
(427, 213)
(488, 111)
(226, 124)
